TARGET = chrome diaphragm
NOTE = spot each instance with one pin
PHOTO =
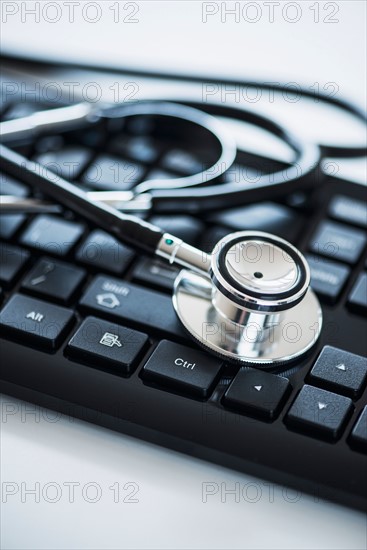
(255, 304)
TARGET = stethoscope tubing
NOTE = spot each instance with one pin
(306, 171)
(196, 193)
(327, 150)
(83, 114)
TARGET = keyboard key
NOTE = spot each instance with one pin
(138, 125)
(298, 199)
(257, 393)
(9, 224)
(181, 161)
(110, 346)
(10, 186)
(155, 273)
(327, 278)
(338, 241)
(250, 171)
(211, 237)
(266, 216)
(68, 162)
(35, 321)
(49, 144)
(184, 369)
(21, 109)
(158, 174)
(141, 149)
(104, 252)
(3, 105)
(112, 173)
(358, 297)
(358, 437)
(340, 371)
(130, 303)
(13, 261)
(54, 279)
(348, 210)
(184, 227)
(319, 413)
(93, 137)
(52, 235)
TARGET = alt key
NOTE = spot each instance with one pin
(35, 321)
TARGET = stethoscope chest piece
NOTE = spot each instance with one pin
(255, 305)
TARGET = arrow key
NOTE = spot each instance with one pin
(257, 393)
(319, 413)
(358, 437)
(340, 371)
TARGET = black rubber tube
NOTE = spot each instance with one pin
(326, 149)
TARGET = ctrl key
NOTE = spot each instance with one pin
(183, 369)
(35, 321)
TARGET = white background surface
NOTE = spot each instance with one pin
(37, 447)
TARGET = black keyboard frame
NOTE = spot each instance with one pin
(205, 429)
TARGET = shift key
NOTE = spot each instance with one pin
(135, 306)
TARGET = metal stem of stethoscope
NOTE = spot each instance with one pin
(60, 119)
(132, 230)
(248, 301)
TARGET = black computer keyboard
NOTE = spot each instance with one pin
(88, 327)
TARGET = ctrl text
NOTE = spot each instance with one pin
(185, 364)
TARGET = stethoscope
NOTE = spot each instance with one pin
(248, 301)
